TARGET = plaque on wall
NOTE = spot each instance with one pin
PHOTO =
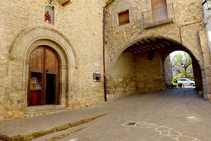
(96, 77)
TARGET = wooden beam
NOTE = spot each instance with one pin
(148, 44)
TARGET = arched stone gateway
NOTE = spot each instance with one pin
(25, 45)
(131, 71)
(128, 43)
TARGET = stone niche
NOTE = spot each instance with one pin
(50, 11)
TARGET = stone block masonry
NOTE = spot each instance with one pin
(185, 31)
(149, 73)
(77, 32)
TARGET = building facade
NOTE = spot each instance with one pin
(53, 53)
(138, 43)
(49, 63)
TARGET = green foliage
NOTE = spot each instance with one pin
(182, 65)
(174, 80)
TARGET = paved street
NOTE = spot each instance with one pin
(172, 115)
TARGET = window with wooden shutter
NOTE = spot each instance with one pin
(124, 17)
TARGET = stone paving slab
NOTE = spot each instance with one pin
(173, 115)
(176, 114)
(29, 126)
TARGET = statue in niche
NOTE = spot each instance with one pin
(47, 17)
(49, 14)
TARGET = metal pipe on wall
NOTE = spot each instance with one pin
(104, 71)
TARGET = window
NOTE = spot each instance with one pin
(124, 17)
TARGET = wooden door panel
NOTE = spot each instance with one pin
(51, 61)
(36, 60)
(43, 61)
(162, 3)
(52, 67)
(36, 97)
(154, 4)
(159, 10)
(35, 88)
(163, 10)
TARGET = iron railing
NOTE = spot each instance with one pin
(158, 16)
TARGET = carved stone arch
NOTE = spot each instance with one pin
(29, 36)
(43, 36)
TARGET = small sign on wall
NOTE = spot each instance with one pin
(96, 64)
(96, 77)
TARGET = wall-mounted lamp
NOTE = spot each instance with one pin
(150, 56)
(207, 4)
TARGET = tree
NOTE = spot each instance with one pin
(182, 64)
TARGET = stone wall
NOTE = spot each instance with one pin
(122, 80)
(149, 73)
(184, 30)
(118, 38)
(168, 70)
(78, 25)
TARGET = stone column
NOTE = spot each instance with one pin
(63, 85)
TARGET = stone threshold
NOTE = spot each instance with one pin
(29, 136)
(33, 111)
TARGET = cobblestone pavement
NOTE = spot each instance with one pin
(172, 115)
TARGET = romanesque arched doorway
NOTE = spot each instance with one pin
(43, 86)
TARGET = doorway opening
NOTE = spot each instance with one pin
(50, 88)
(43, 83)
(159, 10)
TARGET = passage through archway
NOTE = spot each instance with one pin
(43, 83)
(140, 68)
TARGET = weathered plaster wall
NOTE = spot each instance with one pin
(149, 73)
(122, 81)
(79, 23)
(184, 30)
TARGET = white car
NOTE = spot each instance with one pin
(185, 81)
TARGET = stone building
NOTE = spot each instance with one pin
(141, 34)
(40, 57)
(49, 61)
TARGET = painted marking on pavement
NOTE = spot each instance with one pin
(163, 130)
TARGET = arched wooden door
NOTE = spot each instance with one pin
(43, 77)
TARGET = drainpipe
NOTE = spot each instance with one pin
(104, 71)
